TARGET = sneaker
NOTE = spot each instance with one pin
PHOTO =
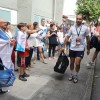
(70, 77)
(45, 62)
(22, 78)
(26, 75)
(54, 58)
(47, 50)
(90, 64)
(4, 91)
(75, 79)
(44, 57)
(49, 58)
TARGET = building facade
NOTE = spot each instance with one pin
(33, 10)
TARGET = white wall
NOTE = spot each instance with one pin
(59, 10)
(24, 11)
(42, 8)
(10, 4)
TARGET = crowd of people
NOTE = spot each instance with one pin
(31, 41)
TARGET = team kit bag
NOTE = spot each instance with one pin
(61, 64)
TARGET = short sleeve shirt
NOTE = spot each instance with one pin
(73, 32)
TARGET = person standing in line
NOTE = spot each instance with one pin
(97, 48)
(31, 45)
(23, 49)
(60, 39)
(37, 42)
(11, 37)
(43, 35)
(68, 44)
(64, 26)
(52, 35)
(5, 49)
(78, 32)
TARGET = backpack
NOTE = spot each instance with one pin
(93, 42)
(7, 77)
(61, 64)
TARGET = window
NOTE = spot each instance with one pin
(9, 15)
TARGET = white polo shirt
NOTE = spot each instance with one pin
(73, 33)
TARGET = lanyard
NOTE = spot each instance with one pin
(78, 33)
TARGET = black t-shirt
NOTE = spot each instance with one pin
(53, 38)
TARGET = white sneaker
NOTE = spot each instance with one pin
(90, 64)
(71, 77)
(47, 50)
(75, 80)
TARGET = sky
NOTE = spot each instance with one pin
(69, 7)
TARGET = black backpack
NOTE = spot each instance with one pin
(61, 64)
(94, 43)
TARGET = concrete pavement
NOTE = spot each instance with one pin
(96, 84)
(45, 84)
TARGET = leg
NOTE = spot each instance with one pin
(22, 70)
(72, 61)
(41, 54)
(78, 61)
(13, 59)
(91, 63)
(77, 68)
(95, 55)
(50, 48)
(30, 56)
(38, 56)
(53, 50)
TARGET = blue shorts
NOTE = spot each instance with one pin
(74, 54)
(60, 45)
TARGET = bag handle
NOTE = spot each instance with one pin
(63, 53)
(4, 66)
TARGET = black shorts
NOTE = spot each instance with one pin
(98, 46)
(74, 54)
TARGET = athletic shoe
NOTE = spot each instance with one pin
(75, 79)
(70, 77)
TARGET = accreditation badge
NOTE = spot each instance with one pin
(78, 41)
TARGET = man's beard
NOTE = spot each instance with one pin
(79, 23)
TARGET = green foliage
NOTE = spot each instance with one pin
(89, 8)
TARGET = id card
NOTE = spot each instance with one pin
(78, 41)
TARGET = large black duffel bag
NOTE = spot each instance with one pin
(61, 64)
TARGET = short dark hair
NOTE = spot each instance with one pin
(35, 24)
(8, 23)
(51, 25)
(81, 15)
(42, 19)
(59, 28)
(20, 25)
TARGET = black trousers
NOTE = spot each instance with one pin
(52, 48)
(28, 59)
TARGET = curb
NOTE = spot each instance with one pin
(89, 84)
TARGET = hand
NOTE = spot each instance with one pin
(62, 49)
(88, 52)
(53, 33)
(27, 48)
(12, 41)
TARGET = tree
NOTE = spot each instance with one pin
(89, 8)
